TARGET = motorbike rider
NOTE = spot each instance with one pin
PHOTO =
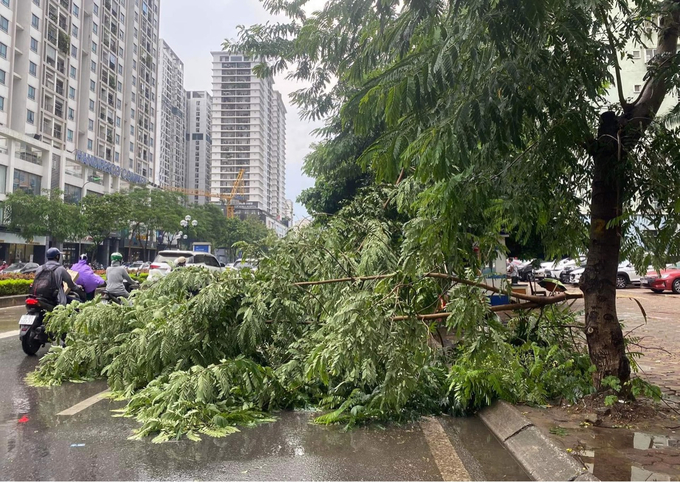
(87, 277)
(116, 276)
(52, 290)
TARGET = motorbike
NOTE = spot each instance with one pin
(109, 298)
(33, 333)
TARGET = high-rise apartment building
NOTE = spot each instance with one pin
(171, 160)
(77, 94)
(249, 133)
(199, 144)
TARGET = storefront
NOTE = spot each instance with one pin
(13, 248)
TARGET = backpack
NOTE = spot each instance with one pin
(45, 284)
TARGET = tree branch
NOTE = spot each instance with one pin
(615, 58)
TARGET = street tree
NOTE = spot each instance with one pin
(495, 115)
(48, 215)
(103, 215)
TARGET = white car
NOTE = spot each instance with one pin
(539, 273)
(166, 260)
(561, 265)
(625, 276)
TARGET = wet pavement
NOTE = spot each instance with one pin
(36, 444)
(9, 318)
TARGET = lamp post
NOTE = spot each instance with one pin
(91, 179)
(185, 223)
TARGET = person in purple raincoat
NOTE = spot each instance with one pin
(87, 278)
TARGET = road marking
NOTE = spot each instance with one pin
(79, 407)
(9, 334)
(445, 456)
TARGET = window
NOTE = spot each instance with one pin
(117, 140)
(94, 47)
(31, 92)
(32, 69)
(5, 3)
(2, 104)
(36, 2)
(132, 147)
(118, 121)
(69, 135)
(72, 194)
(3, 76)
(91, 105)
(72, 72)
(74, 51)
(93, 66)
(74, 31)
(638, 88)
(89, 144)
(93, 85)
(27, 182)
(96, 9)
(35, 21)
(76, 10)
(30, 117)
(3, 50)
(636, 54)
(649, 54)
(4, 23)
(71, 93)
(132, 130)
(71, 114)
(90, 125)
(34, 45)
(95, 28)
(120, 87)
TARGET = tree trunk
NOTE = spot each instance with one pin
(603, 331)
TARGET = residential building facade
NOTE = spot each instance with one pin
(249, 134)
(199, 105)
(171, 158)
(77, 97)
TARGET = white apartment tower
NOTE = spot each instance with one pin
(249, 133)
(77, 94)
(199, 144)
(171, 161)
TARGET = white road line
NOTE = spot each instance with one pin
(445, 456)
(9, 334)
(79, 407)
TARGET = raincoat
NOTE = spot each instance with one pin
(87, 278)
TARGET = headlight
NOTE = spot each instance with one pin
(665, 276)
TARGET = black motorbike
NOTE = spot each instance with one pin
(110, 298)
(33, 333)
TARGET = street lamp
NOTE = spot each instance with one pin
(185, 223)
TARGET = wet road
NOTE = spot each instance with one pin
(9, 318)
(35, 443)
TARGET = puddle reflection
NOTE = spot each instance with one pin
(618, 455)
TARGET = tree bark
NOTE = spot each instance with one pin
(617, 136)
(603, 331)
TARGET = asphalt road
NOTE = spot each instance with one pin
(37, 444)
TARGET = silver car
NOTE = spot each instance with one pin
(166, 260)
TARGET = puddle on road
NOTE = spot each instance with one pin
(623, 455)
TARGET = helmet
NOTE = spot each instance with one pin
(83, 257)
(116, 257)
(181, 261)
(53, 254)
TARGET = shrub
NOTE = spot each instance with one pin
(9, 287)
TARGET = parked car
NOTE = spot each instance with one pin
(138, 266)
(625, 276)
(539, 273)
(29, 268)
(526, 270)
(14, 267)
(165, 262)
(666, 279)
(555, 272)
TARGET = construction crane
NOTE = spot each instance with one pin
(237, 192)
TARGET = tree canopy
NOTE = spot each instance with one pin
(496, 115)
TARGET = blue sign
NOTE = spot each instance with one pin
(109, 167)
(202, 247)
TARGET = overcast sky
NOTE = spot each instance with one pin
(194, 28)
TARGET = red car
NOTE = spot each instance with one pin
(667, 279)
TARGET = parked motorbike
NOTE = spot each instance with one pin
(33, 333)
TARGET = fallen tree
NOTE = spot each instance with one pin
(202, 353)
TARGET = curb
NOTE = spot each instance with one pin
(12, 301)
(535, 452)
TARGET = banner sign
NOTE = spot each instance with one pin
(109, 167)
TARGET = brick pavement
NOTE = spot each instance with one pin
(662, 330)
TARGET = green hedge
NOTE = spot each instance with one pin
(10, 287)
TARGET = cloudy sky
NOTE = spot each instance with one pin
(194, 28)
